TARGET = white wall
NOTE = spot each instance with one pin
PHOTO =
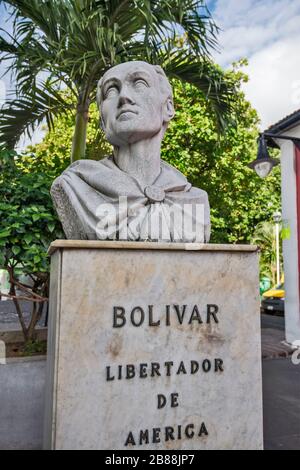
(290, 246)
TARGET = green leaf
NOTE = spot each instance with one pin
(16, 250)
(51, 226)
(2, 260)
(5, 233)
(28, 238)
(286, 233)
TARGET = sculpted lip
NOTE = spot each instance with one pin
(125, 110)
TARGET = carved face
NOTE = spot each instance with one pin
(133, 108)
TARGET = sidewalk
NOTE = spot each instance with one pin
(281, 388)
(273, 338)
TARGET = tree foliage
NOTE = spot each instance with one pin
(265, 237)
(28, 224)
(27, 218)
(72, 43)
(239, 199)
(54, 150)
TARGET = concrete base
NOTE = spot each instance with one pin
(22, 386)
(153, 346)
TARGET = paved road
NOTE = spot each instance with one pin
(272, 321)
(273, 337)
(8, 316)
(281, 393)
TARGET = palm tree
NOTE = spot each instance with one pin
(73, 42)
(265, 237)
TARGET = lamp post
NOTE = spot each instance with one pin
(264, 164)
(277, 220)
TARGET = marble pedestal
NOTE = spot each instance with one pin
(153, 346)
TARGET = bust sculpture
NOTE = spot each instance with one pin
(133, 194)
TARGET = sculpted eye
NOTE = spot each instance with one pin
(111, 91)
(139, 83)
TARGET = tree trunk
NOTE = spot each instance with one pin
(80, 132)
(20, 313)
(36, 314)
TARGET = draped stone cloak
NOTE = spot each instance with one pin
(96, 200)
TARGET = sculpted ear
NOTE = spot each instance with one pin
(102, 125)
(98, 100)
(168, 111)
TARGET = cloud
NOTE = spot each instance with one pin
(34, 139)
(267, 33)
(274, 86)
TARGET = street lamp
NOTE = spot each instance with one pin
(264, 164)
(277, 220)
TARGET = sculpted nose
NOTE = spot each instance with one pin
(125, 97)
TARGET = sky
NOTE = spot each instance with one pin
(267, 33)
(5, 23)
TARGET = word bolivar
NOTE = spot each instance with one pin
(171, 314)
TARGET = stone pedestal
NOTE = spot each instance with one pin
(153, 346)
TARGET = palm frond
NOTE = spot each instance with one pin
(24, 114)
(43, 14)
(76, 41)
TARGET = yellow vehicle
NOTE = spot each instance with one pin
(273, 299)
(277, 292)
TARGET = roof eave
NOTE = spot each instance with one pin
(286, 124)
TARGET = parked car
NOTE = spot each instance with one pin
(273, 300)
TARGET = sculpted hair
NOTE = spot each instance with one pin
(164, 83)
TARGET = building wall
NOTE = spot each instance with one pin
(290, 246)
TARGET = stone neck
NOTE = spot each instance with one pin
(141, 160)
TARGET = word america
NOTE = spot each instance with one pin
(171, 314)
(169, 433)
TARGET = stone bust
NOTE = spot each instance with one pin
(133, 194)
